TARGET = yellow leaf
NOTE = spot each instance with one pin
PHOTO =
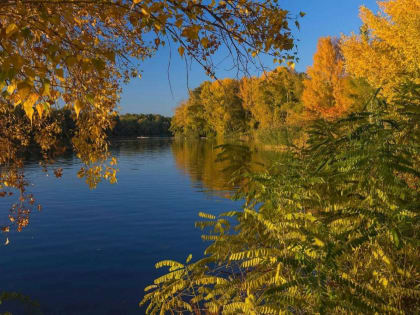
(32, 99)
(40, 110)
(384, 281)
(144, 12)
(191, 32)
(291, 65)
(205, 42)
(46, 89)
(28, 105)
(29, 111)
(318, 242)
(188, 258)
(10, 29)
(158, 26)
(23, 89)
(5, 229)
(11, 88)
(113, 161)
(78, 107)
(181, 50)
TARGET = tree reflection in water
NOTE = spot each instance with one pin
(219, 166)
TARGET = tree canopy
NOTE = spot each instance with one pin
(229, 107)
(387, 51)
(323, 94)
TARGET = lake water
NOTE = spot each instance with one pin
(93, 251)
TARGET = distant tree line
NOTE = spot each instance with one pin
(277, 106)
(63, 126)
(138, 125)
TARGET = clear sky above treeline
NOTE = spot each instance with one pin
(166, 70)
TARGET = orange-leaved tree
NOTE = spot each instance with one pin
(324, 93)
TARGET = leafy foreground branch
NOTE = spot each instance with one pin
(332, 229)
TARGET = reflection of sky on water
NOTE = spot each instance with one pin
(93, 251)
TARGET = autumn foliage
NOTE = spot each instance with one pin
(332, 228)
(324, 94)
(387, 51)
(233, 107)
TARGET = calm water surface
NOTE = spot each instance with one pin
(93, 251)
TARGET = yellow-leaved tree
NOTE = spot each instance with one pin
(248, 90)
(222, 106)
(387, 53)
(190, 117)
(278, 94)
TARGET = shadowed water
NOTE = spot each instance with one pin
(93, 251)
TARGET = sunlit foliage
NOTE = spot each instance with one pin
(272, 97)
(388, 49)
(222, 106)
(332, 228)
(324, 94)
(214, 108)
(232, 107)
(190, 117)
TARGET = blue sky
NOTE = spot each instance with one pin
(152, 93)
